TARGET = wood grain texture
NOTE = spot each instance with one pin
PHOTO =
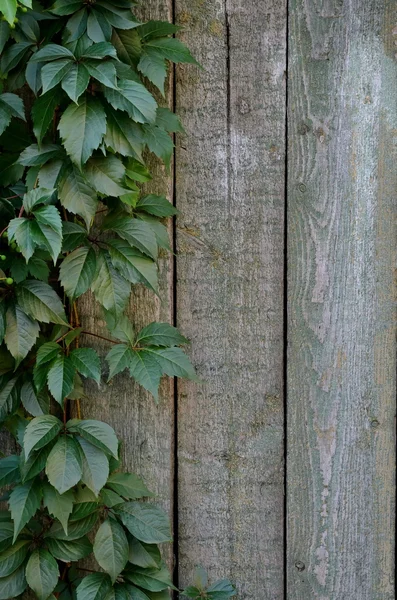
(146, 429)
(341, 299)
(229, 188)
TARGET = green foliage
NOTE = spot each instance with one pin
(77, 121)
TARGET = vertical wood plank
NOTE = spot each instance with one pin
(341, 299)
(146, 430)
(230, 190)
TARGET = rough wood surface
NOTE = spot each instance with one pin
(341, 299)
(230, 189)
(146, 430)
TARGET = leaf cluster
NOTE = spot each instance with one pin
(78, 121)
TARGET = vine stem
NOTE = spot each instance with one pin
(101, 337)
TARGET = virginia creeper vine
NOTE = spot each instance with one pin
(77, 121)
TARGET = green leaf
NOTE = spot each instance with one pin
(154, 580)
(60, 506)
(158, 206)
(24, 501)
(9, 472)
(49, 173)
(120, 327)
(221, 590)
(86, 361)
(86, 501)
(138, 594)
(133, 98)
(13, 56)
(160, 334)
(157, 29)
(72, 335)
(159, 142)
(73, 236)
(146, 370)
(47, 352)
(104, 72)
(63, 467)
(43, 113)
(110, 498)
(76, 26)
(6, 534)
(49, 215)
(77, 196)
(52, 73)
(94, 587)
(76, 530)
(97, 433)
(38, 268)
(98, 27)
(76, 81)
(65, 7)
(119, 358)
(39, 432)
(128, 485)
(95, 466)
(144, 555)
(13, 585)
(173, 362)
(13, 104)
(128, 45)
(33, 404)
(9, 10)
(51, 52)
(77, 271)
(169, 121)
(35, 464)
(50, 224)
(132, 264)
(38, 195)
(111, 290)
(146, 522)
(21, 333)
(61, 378)
(121, 19)
(123, 135)
(171, 49)
(120, 592)
(136, 232)
(111, 548)
(100, 50)
(106, 175)
(7, 392)
(19, 271)
(153, 66)
(39, 300)
(42, 573)
(5, 118)
(192, 592)
(82, 128)
(69, 551)
(12, 558)
(20, 231)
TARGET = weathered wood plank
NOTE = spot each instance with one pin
(229, 187)
(341, 299)
(147, 430)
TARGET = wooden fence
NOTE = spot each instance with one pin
(277, 470)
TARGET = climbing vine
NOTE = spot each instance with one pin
(77, 121)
